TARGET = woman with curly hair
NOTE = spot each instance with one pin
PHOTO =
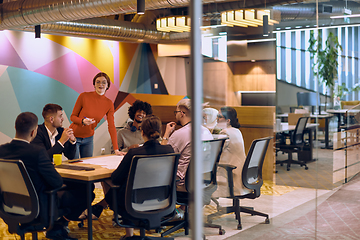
(130, 136)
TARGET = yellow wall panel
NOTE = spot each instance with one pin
(126, 54)
(100, 54)
(158, 99)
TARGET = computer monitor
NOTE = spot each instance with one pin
(308, 99)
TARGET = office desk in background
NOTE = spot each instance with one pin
(340, 113)
(326, 117)
(307, 153)
(104, 166)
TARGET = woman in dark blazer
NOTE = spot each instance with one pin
(150, 131)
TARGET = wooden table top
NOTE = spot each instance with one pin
(286, 127)
(98, 174)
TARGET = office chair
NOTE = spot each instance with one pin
(212, 150)
(19, 202)
(150, 192)
(251, 179)
(297, 143)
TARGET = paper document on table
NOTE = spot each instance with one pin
(109, 162)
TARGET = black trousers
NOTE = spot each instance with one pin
(73, 197)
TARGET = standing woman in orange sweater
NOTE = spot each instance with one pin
(89, 109)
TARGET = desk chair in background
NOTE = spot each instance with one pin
(150, 192)
(297, 143)
(19, 202)
(212, 150)
(251, 179)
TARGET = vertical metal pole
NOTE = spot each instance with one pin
(196, 214)
(317, 152)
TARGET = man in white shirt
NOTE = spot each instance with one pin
(180, 140)
(52, 135)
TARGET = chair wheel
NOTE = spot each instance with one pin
(288, 169)
(267, 221)
(306, 168)
(281, 164)
(239, 227)
(221, 231)
(81, 224)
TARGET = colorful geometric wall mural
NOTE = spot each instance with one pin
(56, 69)
(144, 76)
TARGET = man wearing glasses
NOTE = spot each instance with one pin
(180, 140)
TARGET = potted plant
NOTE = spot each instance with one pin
(342, 91)
(325, 59)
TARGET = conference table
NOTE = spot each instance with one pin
(99, 169)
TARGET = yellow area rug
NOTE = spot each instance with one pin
(103, 228)
(269, 188)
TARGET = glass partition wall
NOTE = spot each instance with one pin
(301, 60)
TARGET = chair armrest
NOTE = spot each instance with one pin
(229, 168)
(53, 191)
(115, 188)
(52, 205)
(111, 184)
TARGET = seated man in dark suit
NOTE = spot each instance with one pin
(52, 135)
(57, 140)
(42, 173)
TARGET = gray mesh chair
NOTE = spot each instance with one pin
(212, 150)
(251, 179)
(19, 202)
(150, 193)
(297, 144)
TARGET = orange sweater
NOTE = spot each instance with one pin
(93, 105)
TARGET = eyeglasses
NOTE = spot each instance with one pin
(175, 112)
(99, 82)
